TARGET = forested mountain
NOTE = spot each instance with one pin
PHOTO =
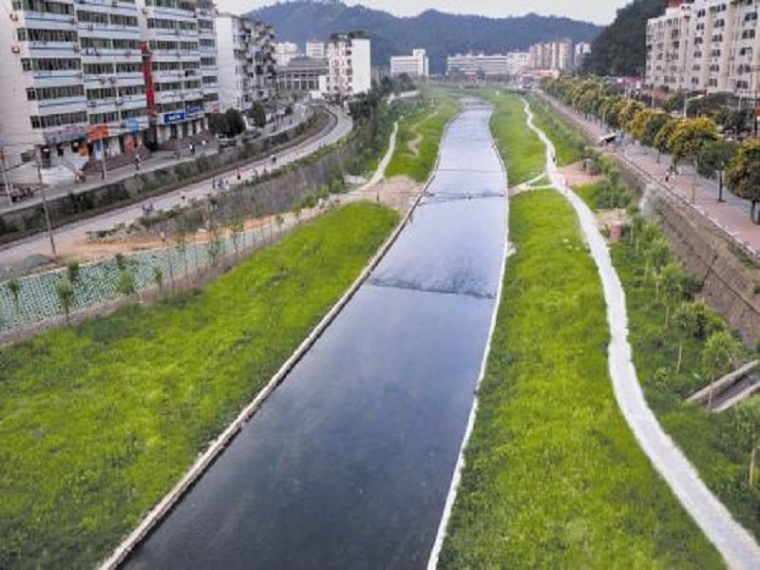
(621, 48)
(440, 34)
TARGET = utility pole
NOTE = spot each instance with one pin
(44, 203)
(6, 181)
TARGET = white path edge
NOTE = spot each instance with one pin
(735, 544)
(206, 458)
(459, 468)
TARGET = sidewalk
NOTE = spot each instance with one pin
(158, 159)
(731, 216)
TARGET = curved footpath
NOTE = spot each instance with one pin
(735, 544)
(67, 235)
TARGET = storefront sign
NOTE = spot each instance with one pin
(176, 117)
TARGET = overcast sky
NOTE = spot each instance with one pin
(598, 11)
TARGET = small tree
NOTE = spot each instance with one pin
(235, 124)
(747, 421)
(685, 321)
(653, 126)
(718, 354)
(672, 287)
(180, 238)
(125, 284)
(279, 220)
(258, 115)
(14, 287)
(687, 141)
(743, 175)
(65, 292)
(237, 227)
(664, 135)
(657, 255)
(214, 248)
(72, 271)
(158, 278)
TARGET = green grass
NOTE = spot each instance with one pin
(100, 420)
(423, 126)
(553, 476)
(520, 148)
(568, 144)
(714, 443)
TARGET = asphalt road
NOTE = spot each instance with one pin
(14, 254)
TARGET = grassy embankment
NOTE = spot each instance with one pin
(718, 445)
(553, 476)
(420, 133)
(101, 419)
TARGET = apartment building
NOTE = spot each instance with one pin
(552, 56)
(416, 65)
(517, 62)
(705, 45)
(474, 64)
(70, 76)
(303, 74)
(207, 46)
(316, 50)
(349, 68)
(246, 65)
(580, 52)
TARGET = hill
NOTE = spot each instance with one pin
(440, 34)
(621, 48)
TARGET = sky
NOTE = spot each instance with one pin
(597, 11)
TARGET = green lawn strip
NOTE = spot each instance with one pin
(568, 144)
(553, 477)
(717, 444)
(520, 148)
(100, 420)
(424, 126)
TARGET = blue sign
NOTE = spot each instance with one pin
(176, 117)
(133, 125)
(192, 111)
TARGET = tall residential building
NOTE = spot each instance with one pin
(316, 50)
(416, 65)
(71, 73)
(554, 56)
(246, 67)
(705, 45)
(490, 65)
(284, 52)
(206, 13)
(349, 69)
(582, 49)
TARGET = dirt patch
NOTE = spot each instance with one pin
(414, 145)
(398, 193)
(575, 175)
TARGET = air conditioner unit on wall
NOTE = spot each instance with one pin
(16, 49)
(14, 17)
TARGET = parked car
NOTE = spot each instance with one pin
(251, 135)
(226, 142)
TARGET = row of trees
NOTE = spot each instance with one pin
(693, 140)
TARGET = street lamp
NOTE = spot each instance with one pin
(688, 100)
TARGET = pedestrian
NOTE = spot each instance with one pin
(182, 199)
(238, 174)
(213, 182)
(192, 149)
(137, 162)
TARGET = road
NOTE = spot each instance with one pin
(14, 254)
(732, 216)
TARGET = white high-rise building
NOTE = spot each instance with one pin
(71, 73)
(582, 49)
(705, 45)
(246, 61)
(316, 50)
(552, 56)
(349, 68)
(206, 14)
(517, 62)
(284, 52)
(416, 65)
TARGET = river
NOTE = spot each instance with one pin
(348, 463)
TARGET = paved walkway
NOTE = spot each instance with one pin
(731, 216)
(15, 253)
(735, 544)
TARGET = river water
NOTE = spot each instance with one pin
(348, 463)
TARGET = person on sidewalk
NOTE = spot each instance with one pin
(137, 162)
(192, 149)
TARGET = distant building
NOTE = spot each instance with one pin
(349, 69)
(315, 50)
(517, 62)
(473, 65)
(582, 50)
(246, 61)
(552, 56)
(303, 74)
(284, 52)
(416, 65)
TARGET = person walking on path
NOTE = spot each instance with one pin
(137, 162)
